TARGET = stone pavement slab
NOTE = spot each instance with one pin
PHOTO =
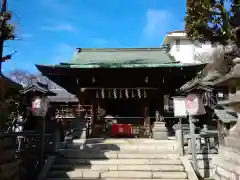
(118, 174)
(113, 167)
(94, 154)
(120, 161)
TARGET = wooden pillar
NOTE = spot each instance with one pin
(93, 111)
(146, 116)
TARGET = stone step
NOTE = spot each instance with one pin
(124, 141)
(112, 167)
(119, 161)
(117, 174)
(82, 141)
(112, 179)
(75, 153)
(126, 148)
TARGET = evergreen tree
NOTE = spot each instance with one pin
(210, 20)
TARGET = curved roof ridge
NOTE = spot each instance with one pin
(119, 49)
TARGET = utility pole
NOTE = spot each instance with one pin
(2, 31)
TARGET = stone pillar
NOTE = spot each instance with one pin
(179, 135)
(146, 117)
(160, 131)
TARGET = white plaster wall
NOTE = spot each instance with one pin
(190, 52)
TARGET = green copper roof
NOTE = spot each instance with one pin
(122, 57)
(119, 65)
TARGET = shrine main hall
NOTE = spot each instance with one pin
(127, 84)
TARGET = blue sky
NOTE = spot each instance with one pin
(50, 30)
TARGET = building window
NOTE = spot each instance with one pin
(178, 44)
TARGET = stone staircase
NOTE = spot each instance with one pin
(119, 159)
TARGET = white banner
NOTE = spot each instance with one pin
(179, 105)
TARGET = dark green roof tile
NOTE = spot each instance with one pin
(122, 56)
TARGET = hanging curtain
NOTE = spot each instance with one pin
(209, 99)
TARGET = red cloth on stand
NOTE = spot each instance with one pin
(122, 129)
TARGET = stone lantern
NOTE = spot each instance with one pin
(228, 161)
(232, 81)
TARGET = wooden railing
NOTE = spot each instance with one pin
(71, 111)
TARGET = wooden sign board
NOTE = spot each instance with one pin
(179, 105)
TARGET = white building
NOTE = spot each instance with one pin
(185, 50)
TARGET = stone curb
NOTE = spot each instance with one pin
(188, 168)
(47, 166)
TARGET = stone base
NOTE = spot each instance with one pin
(77, 134)
(160, 132)
(79, 129)
(232, 142)
(227, 164)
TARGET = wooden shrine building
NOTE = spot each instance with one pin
(126, 83)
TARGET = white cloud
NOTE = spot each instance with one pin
(60, 27)
(157, 23)
(55, 5)
(26, 35)
(63, 53)
(99, 41)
